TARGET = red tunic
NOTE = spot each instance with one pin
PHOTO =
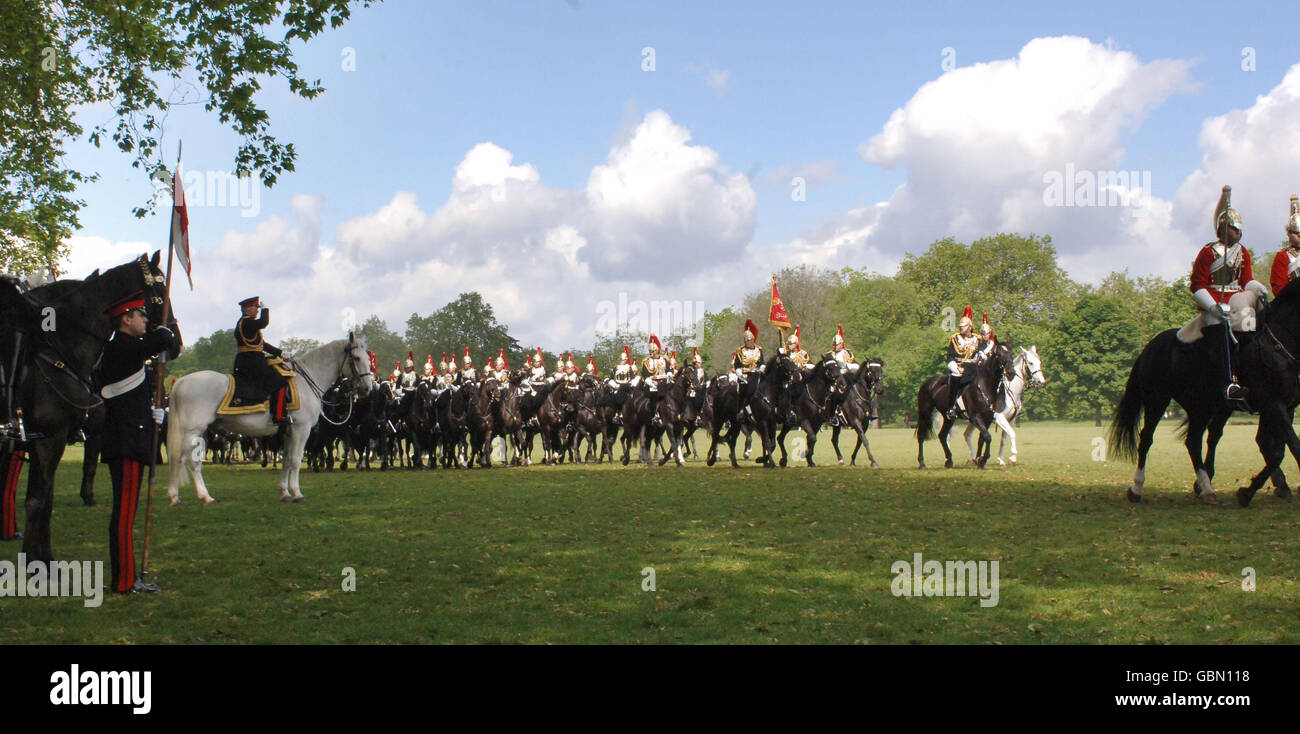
(1279, 277)
(1201, 274)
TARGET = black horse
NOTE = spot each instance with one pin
(861, 390)
(60, 330)
(1191, 375)
(992, 366)
(815, 398)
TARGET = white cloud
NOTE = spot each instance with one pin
(814, 173)
(274, 245)
(978, 141)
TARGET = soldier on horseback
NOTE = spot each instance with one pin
(795, 351)
(747, 359)
(1221, 275)
(251, 358)
(430, 373)
(654, 371)
(964, 353)
(591, 366)
(697, 363)
(840, 351)
(467, 372)
(1286, 263)
(409, 378)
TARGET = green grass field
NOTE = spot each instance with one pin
(555, 554)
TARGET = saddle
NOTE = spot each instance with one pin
(247, 396)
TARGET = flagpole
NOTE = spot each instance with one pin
(159, 373)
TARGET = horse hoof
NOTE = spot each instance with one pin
(1012, 462)
(1001, 462)
(841, 462)
(176, 502)
(947, 465)
(1282, 493)
(1243, 496)
(88, 501)
(299, 499)
(1133, 496)
(783, 462)
(286, 498)
(874, 465)
(209, 501)
(1208, 498)
(972, 462)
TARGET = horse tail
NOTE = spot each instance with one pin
(924, 414)
(1124, 424)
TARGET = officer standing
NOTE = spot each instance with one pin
(127, 440)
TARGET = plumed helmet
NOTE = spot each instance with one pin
(568, 360)
(695, 357)
(1293, 224)
(591, 365)
(751, 331)
(442, 366)
(410, 361)
(654, 344)
(794, 338)
(397, 370)
(428, 365)
(627, 355)
(839, 335)
(538, 359)
(374, 363)
(966, 318)
(1225, 214)
(467, 361)
(985, 328)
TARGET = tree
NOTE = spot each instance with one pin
(297, 345)
(56, 56)
(384, 342)
(214, 352)
(467, 322)
(1095, 346)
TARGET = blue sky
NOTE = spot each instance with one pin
(770, 90)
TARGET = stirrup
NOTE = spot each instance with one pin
(1235, 391)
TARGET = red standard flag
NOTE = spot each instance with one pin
(181, 225)
(777, 316)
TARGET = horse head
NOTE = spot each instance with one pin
(357, 363)
(1033, 366)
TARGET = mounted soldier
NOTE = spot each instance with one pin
(654, 372)
(430, 372)
(592, 370)
(964, 353)
(1220, 281)
(1286, 263)
(795, 351)
(251, 364)
(409, 377)
(840, 351)
(503, 368)
(748, 358)
(697, 363)
(467, 372)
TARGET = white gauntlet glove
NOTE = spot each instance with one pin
(158, 415)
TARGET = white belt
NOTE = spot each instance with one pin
(124, 385)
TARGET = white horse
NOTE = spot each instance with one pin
(1028, 370)
(196, 396)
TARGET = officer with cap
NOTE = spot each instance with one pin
(250, 359)
(128, 404)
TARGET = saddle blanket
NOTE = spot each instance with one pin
(227, 406)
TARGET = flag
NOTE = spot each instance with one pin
(777, 316)
(180, 237)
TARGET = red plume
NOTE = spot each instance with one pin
(654, 340)
(969, 313)
(749, 327)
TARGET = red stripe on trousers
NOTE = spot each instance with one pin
(10, 490)
(126, 523)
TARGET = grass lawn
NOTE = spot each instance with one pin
(799, 555)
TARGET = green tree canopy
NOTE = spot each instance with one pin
(56, 56)
(467, 322)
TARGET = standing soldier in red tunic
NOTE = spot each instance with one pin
(1286, 263)
(1221, 275)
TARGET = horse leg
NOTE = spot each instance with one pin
(1007, 433)
(1217, 422)
(835, 443)
(89, 464)
(1271, 438)
(1154, 412)
(296, 440)
(195, 465)
(780, 442)
(974, 453)
(45, 455)
(811, 433)
(862, 440)
(1202, 487)
(943, 441)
